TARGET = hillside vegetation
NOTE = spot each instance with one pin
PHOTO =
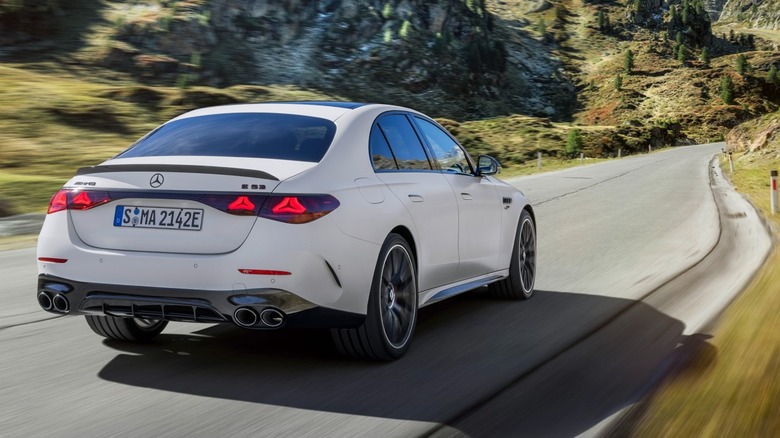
(80, 80)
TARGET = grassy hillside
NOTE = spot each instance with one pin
(91, 77)
(53, 121)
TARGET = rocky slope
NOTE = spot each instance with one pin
(757, 14)
(761, 135)
(449, 57)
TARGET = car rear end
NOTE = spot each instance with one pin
(192, 223)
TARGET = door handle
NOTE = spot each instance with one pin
(466, 196)
(416, 198)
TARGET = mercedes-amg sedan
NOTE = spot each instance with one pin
(306, 214)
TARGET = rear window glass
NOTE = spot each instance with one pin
(249, 135)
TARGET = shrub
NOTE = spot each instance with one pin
(742, 64)
(727, 90)
(628, 61)
(574, 143)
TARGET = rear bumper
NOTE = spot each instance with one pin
(203, 306)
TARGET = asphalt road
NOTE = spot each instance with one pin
(636, 256)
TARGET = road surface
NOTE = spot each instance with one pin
(636, 256)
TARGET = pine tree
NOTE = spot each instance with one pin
(742, 64)
(727, 90)
(705, 56)
(772, 76)
(628, 61)
(574, 143)
(406, 29)
(387, 11)
(618, 82)
(600, 20)
(682, 54)
(541, 27)
(673, 14)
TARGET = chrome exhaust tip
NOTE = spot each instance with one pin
(44, 300)
(272, 317)
(245, 317)
(60, 303)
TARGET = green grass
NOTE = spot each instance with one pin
(732, 390)
(53, 122)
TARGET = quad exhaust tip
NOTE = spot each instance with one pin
(45, 301)
(57, 303)
(272, 317)
(60, 303)
(249, 318)
(245, 317)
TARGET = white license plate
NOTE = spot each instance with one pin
(158, 217)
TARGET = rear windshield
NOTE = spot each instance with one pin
(250, 135)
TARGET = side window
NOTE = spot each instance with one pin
(406, 147)
(447, 153)
(381, 154)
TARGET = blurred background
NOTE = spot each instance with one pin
(81, 79)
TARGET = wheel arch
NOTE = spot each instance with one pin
(530, 211)
(407, 235)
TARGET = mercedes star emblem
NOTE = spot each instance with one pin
(157, 180)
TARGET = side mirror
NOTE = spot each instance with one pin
(487, 165)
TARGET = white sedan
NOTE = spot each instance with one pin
(305, 214)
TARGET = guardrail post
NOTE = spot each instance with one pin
(538, 160)
(582, 157)
(773, 190)
(619, 152)
(731, 162)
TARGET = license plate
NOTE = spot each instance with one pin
(158, 217)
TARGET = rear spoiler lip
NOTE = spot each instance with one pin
(177, 168)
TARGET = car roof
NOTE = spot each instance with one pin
(330, 110)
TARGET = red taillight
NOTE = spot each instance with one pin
(289, 205)
(58, 202)
(242, 206)
(77, 200)
(298, 209)
(86, 200)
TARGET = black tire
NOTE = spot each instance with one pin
(387, 330)
(522, 268)
(126, 329)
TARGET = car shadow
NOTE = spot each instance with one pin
(467, 351)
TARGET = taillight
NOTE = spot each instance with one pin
(88, 199)
(58, 202)
(67, 199)
(298, 209)
(288, 205)
(241, 206)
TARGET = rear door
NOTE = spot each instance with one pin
(479, 206)
(401, 162)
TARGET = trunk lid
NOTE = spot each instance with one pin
(176, 204)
